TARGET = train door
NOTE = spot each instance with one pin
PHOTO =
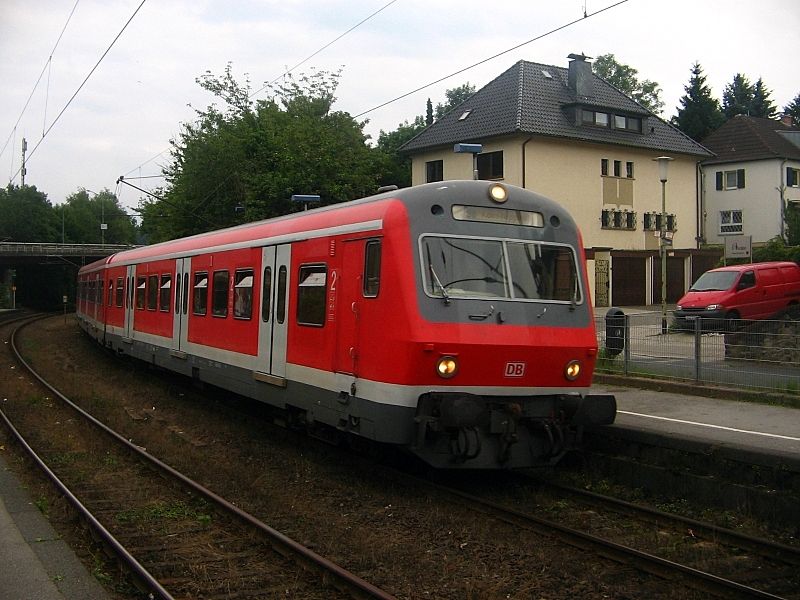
(348, 282)
(180, 322)
(273, 317)
(130, 280)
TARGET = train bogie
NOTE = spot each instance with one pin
(450, 319)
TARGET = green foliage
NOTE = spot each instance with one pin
(455, 97)
(624, 78)
(792, 217)
(397, 166)
(699, 113)
(26, 215)
(743, 98)
(82, 215)
(793, 109)
(245, 163)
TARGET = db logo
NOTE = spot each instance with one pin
(515, 369)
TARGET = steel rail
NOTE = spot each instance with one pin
(343, 579)
(624, 554)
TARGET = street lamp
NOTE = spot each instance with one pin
(663, 165)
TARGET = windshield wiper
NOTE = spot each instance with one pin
(445, 295)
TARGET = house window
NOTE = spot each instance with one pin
(604, 166)
(629, 170)
(311, 295)
(434, 171)
(593, 117)
(490, 165)
(219, 294)
(792, 177)
(730, 180)
(730, 221)
(628, 123)
(617, 168)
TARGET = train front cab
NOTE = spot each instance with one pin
(504, 344)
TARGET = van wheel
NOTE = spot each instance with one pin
(732, 322)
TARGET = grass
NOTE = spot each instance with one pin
(164, 511)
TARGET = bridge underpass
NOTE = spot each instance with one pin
(40, 275)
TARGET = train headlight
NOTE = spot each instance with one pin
(447, 367)
(572, 370)
(498, 193)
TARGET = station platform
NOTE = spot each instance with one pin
(747, 432)
(35, 563)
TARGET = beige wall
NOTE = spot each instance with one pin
(569, 172)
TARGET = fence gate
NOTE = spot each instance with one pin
(601, 281)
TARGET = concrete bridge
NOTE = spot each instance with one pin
(17, 253)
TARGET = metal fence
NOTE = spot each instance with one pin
(757, 355)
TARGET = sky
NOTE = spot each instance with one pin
(136, 100)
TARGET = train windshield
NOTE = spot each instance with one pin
(478, 268)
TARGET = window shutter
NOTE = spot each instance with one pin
(719, 180)
(740, 178)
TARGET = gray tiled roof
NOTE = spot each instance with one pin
(745, 138)
(523, 100)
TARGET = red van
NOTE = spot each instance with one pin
(754, 291)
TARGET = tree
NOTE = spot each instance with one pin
(81, 216)
(762, 105)
(793, 109)
(245, 161)
(699, 113)
(397, 167)
(737, 97)
(428, 112)
(455, 97)
(624, 78)
(26, 215)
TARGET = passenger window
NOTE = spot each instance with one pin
(166, 292)
(120, 290)
(311, 295)
(266, 294)
(372, 268)
(243, 294)
(152, 292)
(141, 283)
(200, 294)
(219, 294)
(110, 300)
(178, 293)
(280, 305)
(185, 293)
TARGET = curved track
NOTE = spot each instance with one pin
(178, 539)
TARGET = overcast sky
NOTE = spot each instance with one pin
(136, 100)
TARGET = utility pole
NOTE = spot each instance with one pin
(24, 150)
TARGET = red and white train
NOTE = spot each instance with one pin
(451, 319)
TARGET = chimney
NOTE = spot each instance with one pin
(580, 75)
(787, 120)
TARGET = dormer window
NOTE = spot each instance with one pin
(628, 123)
(594, 117)
(464, 115)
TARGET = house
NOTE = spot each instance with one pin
(748, 185)
(571, 136)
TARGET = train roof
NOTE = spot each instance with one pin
(365, 214)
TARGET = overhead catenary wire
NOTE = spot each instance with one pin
(39, 79)
(485, 60)
(83, 83)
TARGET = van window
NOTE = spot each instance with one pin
(166, 292)
(266, 294)
(119, 292)
(243, 294)
(200, 293)
(111, 292)
(748, 280)
(372, 268)
(141, 283)
(152, 292)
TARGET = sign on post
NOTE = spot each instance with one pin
(739, 246)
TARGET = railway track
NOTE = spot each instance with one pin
(706, 557)
(176, 538)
